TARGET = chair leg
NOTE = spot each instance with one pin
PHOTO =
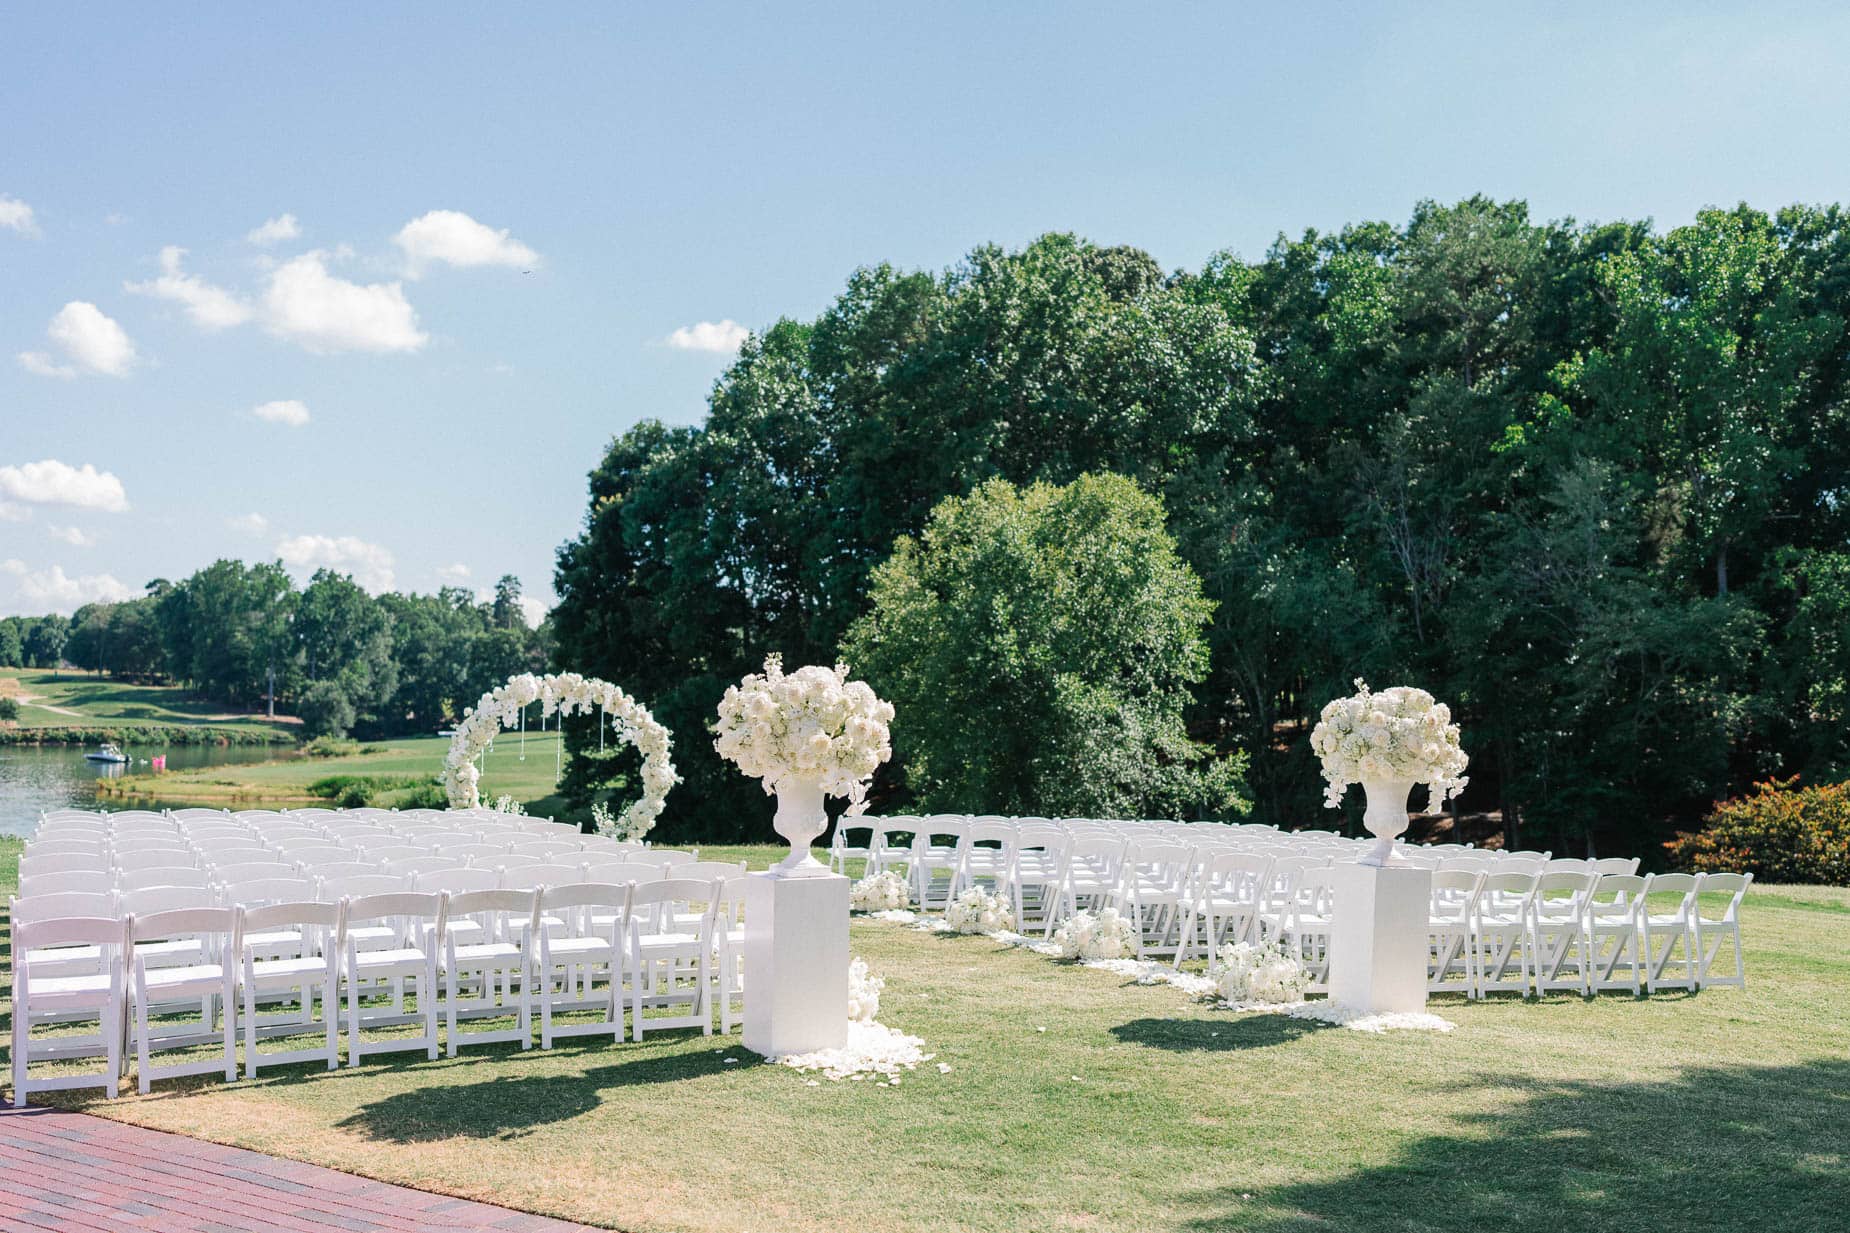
(20, 1036)
(428, 985)
(141, 1041)
(353, 1019)
(450, 991)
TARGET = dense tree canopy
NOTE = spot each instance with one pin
(1587, 483)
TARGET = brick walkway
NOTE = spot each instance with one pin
(80, 1174)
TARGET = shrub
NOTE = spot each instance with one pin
(1781, 832)
(9, 710)
(330, 747)
(326, 710)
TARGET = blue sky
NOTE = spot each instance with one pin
(430, 407)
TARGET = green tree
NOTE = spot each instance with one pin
(326, 710)
(45, 642)
(1039, 646)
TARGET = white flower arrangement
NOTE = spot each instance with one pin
(1260, 972)
(564, 693)
(812, 724)
(505, 803)
(1106, 934)
(1397, 734)
(979, 911)
(863, 993)
(885, 891)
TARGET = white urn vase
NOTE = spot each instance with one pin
(1386, 818)
(800, 819)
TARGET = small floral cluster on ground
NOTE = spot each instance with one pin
(879, 892)
(1262, 973)
(976, 910)
(1106, 934)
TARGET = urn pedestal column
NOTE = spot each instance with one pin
(796, 939)
(1378, 940)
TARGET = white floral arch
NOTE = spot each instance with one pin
(564, 693)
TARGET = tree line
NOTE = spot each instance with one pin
(345, 661)
(1590, 484)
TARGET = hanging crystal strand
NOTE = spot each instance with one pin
(558, 759)
(600, 727)
(523, 732)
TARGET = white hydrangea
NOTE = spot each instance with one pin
(1106, 934)
(1399, 733)
(979, 911)
(1248, 972)
(813, 724)
(505, 803)
(863, 993)
(879, 892)
(564, 693)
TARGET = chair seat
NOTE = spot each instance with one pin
(196, 977)
(47, 987)
(277, 969)
(1667, 922)
(484, 954)
(372, 937)
(404, 958)
(1500, 921)
(656, 942)
(274, 939)
(567, 949)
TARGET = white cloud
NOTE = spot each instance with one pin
(87, 336)
(325, 314)
(533, 610)
(211, 308)
(275, 230)
(252, 524)
(290, 411)
(16, 215)
(454, 238)
(76, 537)
(370, 564)
(457, 572)
(41, 364)
(51, 482)
(10, 512)
(720, 337)
(51, 590)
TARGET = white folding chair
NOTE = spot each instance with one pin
(1558, 929)
(409, 916)
(312, 972)
(489, 957)
(1616, 864)
(77, 882)
(210, 978)
(1669, 936)
(1714, 933)
(1225, 902)
(937, 848)
(172, 875)
(1152, 883)
(1036, 858)
(1088, 877)
(1448, 930)
(983, 858)
(62, 995)
(1500, 934)
(1308, 925)
(568, 960)
(891, 844)
(32, 865)
(1614, 960)
(672, 966)
(842, 849)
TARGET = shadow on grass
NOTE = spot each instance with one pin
(508, 1106)
(1215, 1035)
(1713, 1149)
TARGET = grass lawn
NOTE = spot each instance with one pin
(77, 699)
(1075, 1101)
(285, 781)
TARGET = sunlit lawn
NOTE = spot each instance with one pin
(70, 698)
(1077, 1101)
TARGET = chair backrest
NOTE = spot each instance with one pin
(60, 847)
(333, 870)
(894, 832)
(412, 905)
(152, 900)
(459, 881)
(175, 875)
(991, 833)
(1507, 891)
(62, 862)
(395, 854)
(1563, 891)
(62, 929)
(57, 883)
(260, 891)
(1683, 884)
(227, 875)
(143, 856)
(59, 903)
(585, 895)
(1454, 893)
(420, 865)
(1733, 885)
(1616, 864)
(485, 904)
(529, 876)
(476, 853)
(1521, 864)
(312, 914)
(619, 872)
(545, 847)
(1614, 892)
(1568, 864)
(183, 922)
(675, 891)
(371, 884)
(670, 856)
(708, 870)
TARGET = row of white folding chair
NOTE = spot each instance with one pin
(489, 955)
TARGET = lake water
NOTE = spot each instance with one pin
(34, 778)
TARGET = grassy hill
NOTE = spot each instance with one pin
(76, 708)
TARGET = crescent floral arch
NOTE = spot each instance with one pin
(563, 693)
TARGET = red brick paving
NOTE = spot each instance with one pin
(72, 1173)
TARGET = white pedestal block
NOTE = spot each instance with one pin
(796, 964)
(1378, 937)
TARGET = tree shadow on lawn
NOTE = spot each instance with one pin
(1717, 1148)
(1216, 1035)
(508, 1106)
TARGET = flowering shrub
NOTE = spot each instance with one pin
(863, 993)
(563, 694)
(1107, 934)
(813, 723)
(979, 911)
(1399, 733)
(879, 892)
(1781, 833)
(1260, 972)
(505, 803)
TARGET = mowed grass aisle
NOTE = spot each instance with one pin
(1075, 1101)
